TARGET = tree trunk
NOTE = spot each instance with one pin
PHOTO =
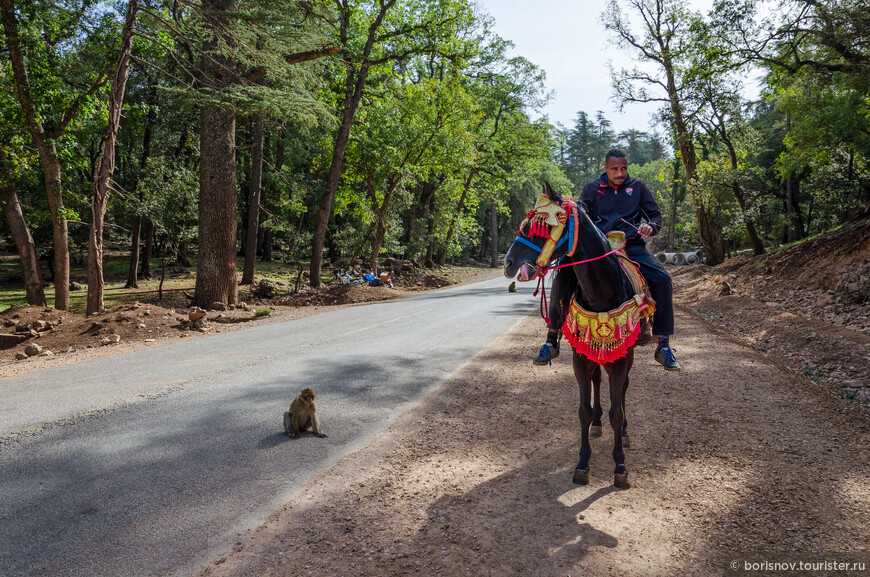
(216, 266)
(710, 233)
(149, 249)
(355, 82)
(414, 246)
(757, 246)
(133, 269)
(47, 155)
(494, 236)
(353, 95)
(106, 165)
(254, 203)
(33, 285)
(380, 228)
(450, 230)
(793, 209)
(675, 199)
(430, 230)
(133, 265)
(380, 231)
(267, 245)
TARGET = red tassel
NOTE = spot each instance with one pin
(617, 334)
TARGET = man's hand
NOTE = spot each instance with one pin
(645, 230)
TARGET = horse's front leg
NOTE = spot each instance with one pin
(618, 374)
(583, 369)
(597, 411)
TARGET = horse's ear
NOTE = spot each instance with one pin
(551, 194)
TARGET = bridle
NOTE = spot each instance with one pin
(569, 208)
(572, 218)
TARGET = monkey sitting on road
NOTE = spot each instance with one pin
(302, 416)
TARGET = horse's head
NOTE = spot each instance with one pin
(540, 238)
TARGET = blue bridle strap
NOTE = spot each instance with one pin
(565, 237)
(528, 243)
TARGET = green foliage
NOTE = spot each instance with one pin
(170, 201)
(448, 124)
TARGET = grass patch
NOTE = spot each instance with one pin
(263, 312)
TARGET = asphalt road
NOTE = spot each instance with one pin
(152, 462)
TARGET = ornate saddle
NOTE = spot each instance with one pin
(604, 337)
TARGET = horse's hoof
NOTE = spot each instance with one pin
(626, 442)
(581, 476)
(595, 431)
(621, 480)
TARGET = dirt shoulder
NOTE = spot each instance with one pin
(68, 338)
(732, 455)
(814, 333)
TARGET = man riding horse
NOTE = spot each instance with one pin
(617, 202)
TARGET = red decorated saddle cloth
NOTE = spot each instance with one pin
(604, 337)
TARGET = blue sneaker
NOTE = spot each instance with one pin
(547, 354)
(665, 356)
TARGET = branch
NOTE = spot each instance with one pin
(171, 53)
(190, 43)
(158, 69)
(259, 72)
(74, 108)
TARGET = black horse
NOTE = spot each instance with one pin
(597, 282)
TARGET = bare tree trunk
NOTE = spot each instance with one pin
(106, 165)
(47, 154)
(380, 231)
(254, 203)
(414, 246)
(216, 266)
(33, 285)
(494, 236)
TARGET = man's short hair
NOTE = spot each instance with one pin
(615, 153)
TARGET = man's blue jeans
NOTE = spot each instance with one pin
(660, 287)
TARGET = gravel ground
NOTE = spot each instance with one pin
(734, 456)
